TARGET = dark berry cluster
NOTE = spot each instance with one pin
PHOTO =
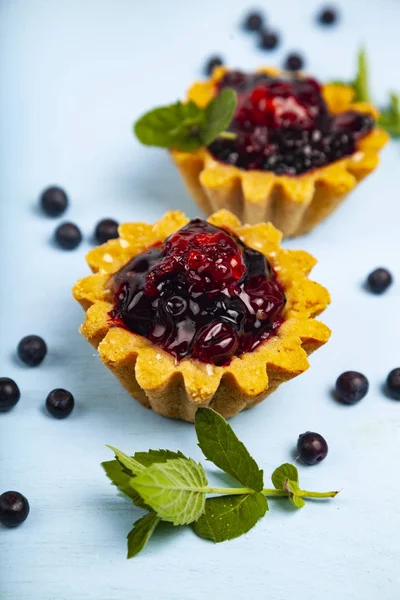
(202, 294)
(283, 125)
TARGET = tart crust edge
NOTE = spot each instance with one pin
(150, 374)
(295, 204)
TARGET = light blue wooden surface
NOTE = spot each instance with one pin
(73, 77)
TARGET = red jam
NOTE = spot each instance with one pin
(201, 294)
(283, 125)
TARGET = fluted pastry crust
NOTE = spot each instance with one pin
(176, 390)
(293, 203)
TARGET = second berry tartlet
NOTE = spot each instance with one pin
(201, 313)
(300, 148)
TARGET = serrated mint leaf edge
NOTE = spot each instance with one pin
(124, 486)
(141, 532)
(206, 416)
(127, 461)
(157, 456)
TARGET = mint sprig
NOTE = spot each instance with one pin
(186, 126)
(174, 488)
(390, 115)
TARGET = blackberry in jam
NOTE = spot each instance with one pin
(283, 125)
(201, 294)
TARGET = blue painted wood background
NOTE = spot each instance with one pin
(73, 77)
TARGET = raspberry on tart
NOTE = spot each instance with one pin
(300, 147)
(201, 313)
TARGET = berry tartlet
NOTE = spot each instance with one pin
(298, 149)
(201, 313)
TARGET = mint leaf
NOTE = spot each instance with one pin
(361, 83)
(186, 126)
(228, 517)
(129, 464)
(174, 126)
(283, 473)
(220, 444)
(141, 533)
(175, 489)
(292, 487)
(121, 479)
(156, 456)
(219, 113)
(390, 117)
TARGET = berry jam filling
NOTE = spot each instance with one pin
(201, 294)
(283, 125)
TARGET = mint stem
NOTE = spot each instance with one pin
(228, 135)
(269, 492)
(306, 494)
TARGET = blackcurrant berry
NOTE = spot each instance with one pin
(379, 280)
(14, 508)
(312, 447)
(60, 403)
(351, 387)
(68, 236)
(53, 201)
(9, 394)
(105, 230)
(31, 350)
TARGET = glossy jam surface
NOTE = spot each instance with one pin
(283, 125)
(202, 294)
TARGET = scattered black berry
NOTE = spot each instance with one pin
(268, 40)
(254, 21)
(9, 394)
(294, 62)
(312, 447)
(107, 229)
(393, 383)
(351, 387)
(54, 201)
(68, 236)
(379, 280)
(213, 61)
(327, 16)
(14, 508)
(31, 350)
(60, 403)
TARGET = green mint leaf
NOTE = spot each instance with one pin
(129, 464)
(156, 456)
(297, 501)
(141, 533)
(292, 487)
(283, 473)
(390, 117)
(219, 113)
(175, 126)
(121, 479)
(228, 517)
(175, 490)
(186, 126)
(220, 445)
(361, 83)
